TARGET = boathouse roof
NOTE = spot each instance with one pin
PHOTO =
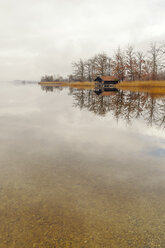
(107, 78)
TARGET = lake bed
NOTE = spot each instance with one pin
(78, 169)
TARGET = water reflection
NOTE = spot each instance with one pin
(125, 105)
(52, 88)
(69, 178)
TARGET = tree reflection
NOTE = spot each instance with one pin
(51, 88)
(125, 105)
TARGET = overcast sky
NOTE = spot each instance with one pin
(40, 37)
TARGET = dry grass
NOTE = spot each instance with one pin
(54, 83)
(145, 84)
(78, 85)
(154, 88)
(87, 83)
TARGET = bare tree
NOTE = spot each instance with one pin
(88, 69)
(93, 68)
(147, 70)
(162, 55)
(109, 66)
(131, 64)
(47, 78)
(140, 57)
(154, 58)
(101, 64)
(119, 65)
(79, 70)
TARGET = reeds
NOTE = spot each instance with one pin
(145, 84)
(79, 85)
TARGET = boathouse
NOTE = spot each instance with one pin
(105, 83)
(106, 80)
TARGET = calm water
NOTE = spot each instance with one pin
(81, 168)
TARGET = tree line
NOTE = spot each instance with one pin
(126, 64)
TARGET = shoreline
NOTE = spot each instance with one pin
(146, 84)
(152, 87)
(142, 84)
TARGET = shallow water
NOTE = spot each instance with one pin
(78, 169)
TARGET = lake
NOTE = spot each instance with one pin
(81, 168)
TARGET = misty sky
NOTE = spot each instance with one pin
(40, 37)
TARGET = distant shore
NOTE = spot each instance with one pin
(145, 84)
